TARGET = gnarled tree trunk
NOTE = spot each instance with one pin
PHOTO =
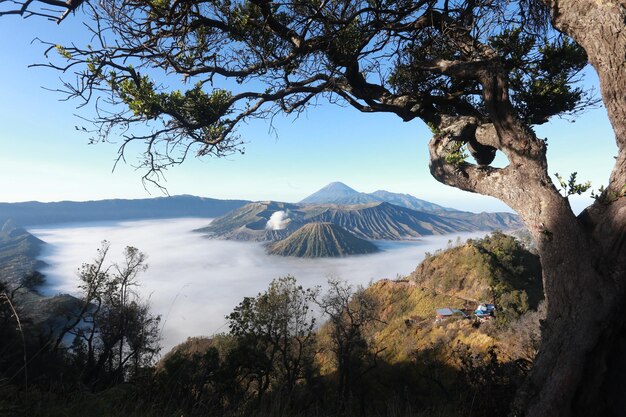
(582, 359)
(581, 365)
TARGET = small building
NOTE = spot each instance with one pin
(447, 312)
(485, 311)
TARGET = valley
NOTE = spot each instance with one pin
(194, 282)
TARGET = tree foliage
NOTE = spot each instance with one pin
(275, 331)
(196, 382)
(350, 312)
(113, 334)
(516, 276)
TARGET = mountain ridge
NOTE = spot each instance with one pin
(371, 221)
(339, 193)
(409, 201)
(386, 221)
(31, 213)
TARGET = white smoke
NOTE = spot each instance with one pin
(278, 221)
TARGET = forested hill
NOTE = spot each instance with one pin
(387, 333)
(20, 277)
(496, 269)
(34, 213)
(18, 254)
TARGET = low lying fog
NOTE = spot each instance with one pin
(194, 282)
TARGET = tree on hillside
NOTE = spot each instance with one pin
(114, 333)
(350, 311)
(13, 348)
(479, 73)
(275, 336)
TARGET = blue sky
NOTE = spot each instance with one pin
(44, 158)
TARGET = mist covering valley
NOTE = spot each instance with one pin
(193, 282)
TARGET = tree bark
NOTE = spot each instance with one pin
(584, 314)
(582, 358)
(580, 366)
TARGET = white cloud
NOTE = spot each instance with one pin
(195, 282)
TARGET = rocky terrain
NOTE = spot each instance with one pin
(317, 240)
(364, 216)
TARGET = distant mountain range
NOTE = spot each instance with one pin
(317, 240)
(373, 221)
(340, 193)
(381, 215)
(36, 213)
(272, 221)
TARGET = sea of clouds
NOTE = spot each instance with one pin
(194, 282)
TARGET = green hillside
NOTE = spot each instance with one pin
(495, 269)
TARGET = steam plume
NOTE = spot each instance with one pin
(278, 221)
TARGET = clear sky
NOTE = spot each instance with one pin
(44, 158)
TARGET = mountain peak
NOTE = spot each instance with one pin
(338, 193)
(338, 185)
